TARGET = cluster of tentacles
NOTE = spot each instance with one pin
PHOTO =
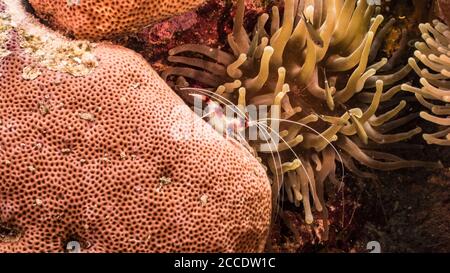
(330, 99)
(434, 54)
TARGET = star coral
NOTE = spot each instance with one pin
(96, 148)
(103, 19)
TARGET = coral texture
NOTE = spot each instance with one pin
(102, 19)
(315, 62)
(96, 148)
(433, 53)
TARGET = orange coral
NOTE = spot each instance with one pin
(94, 147)
(99, 19)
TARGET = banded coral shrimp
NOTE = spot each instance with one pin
(238, 120)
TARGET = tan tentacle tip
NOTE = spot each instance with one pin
(405, 87)
(412, 61)
(309, 219)
(430, 139)
(309, 13)
(424, 115)
(220, 90)
(291, 166)
(434, 119)
(409, 88)
(418, 54)
(356, 112)
(435, 22)
(424, 82)
(417, 44)
(379, 83)
(284, 133)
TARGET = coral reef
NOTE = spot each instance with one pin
(96, 148)
(333, 106)
(103, 19)
(433, 53)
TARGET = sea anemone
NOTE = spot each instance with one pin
(313, 65)
(434, 54)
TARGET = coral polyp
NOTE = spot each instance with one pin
(311, 59)
(433, 53)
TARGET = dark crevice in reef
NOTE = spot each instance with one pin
(28, 7)
(9, 233)
(30, 10)
(43, 18)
